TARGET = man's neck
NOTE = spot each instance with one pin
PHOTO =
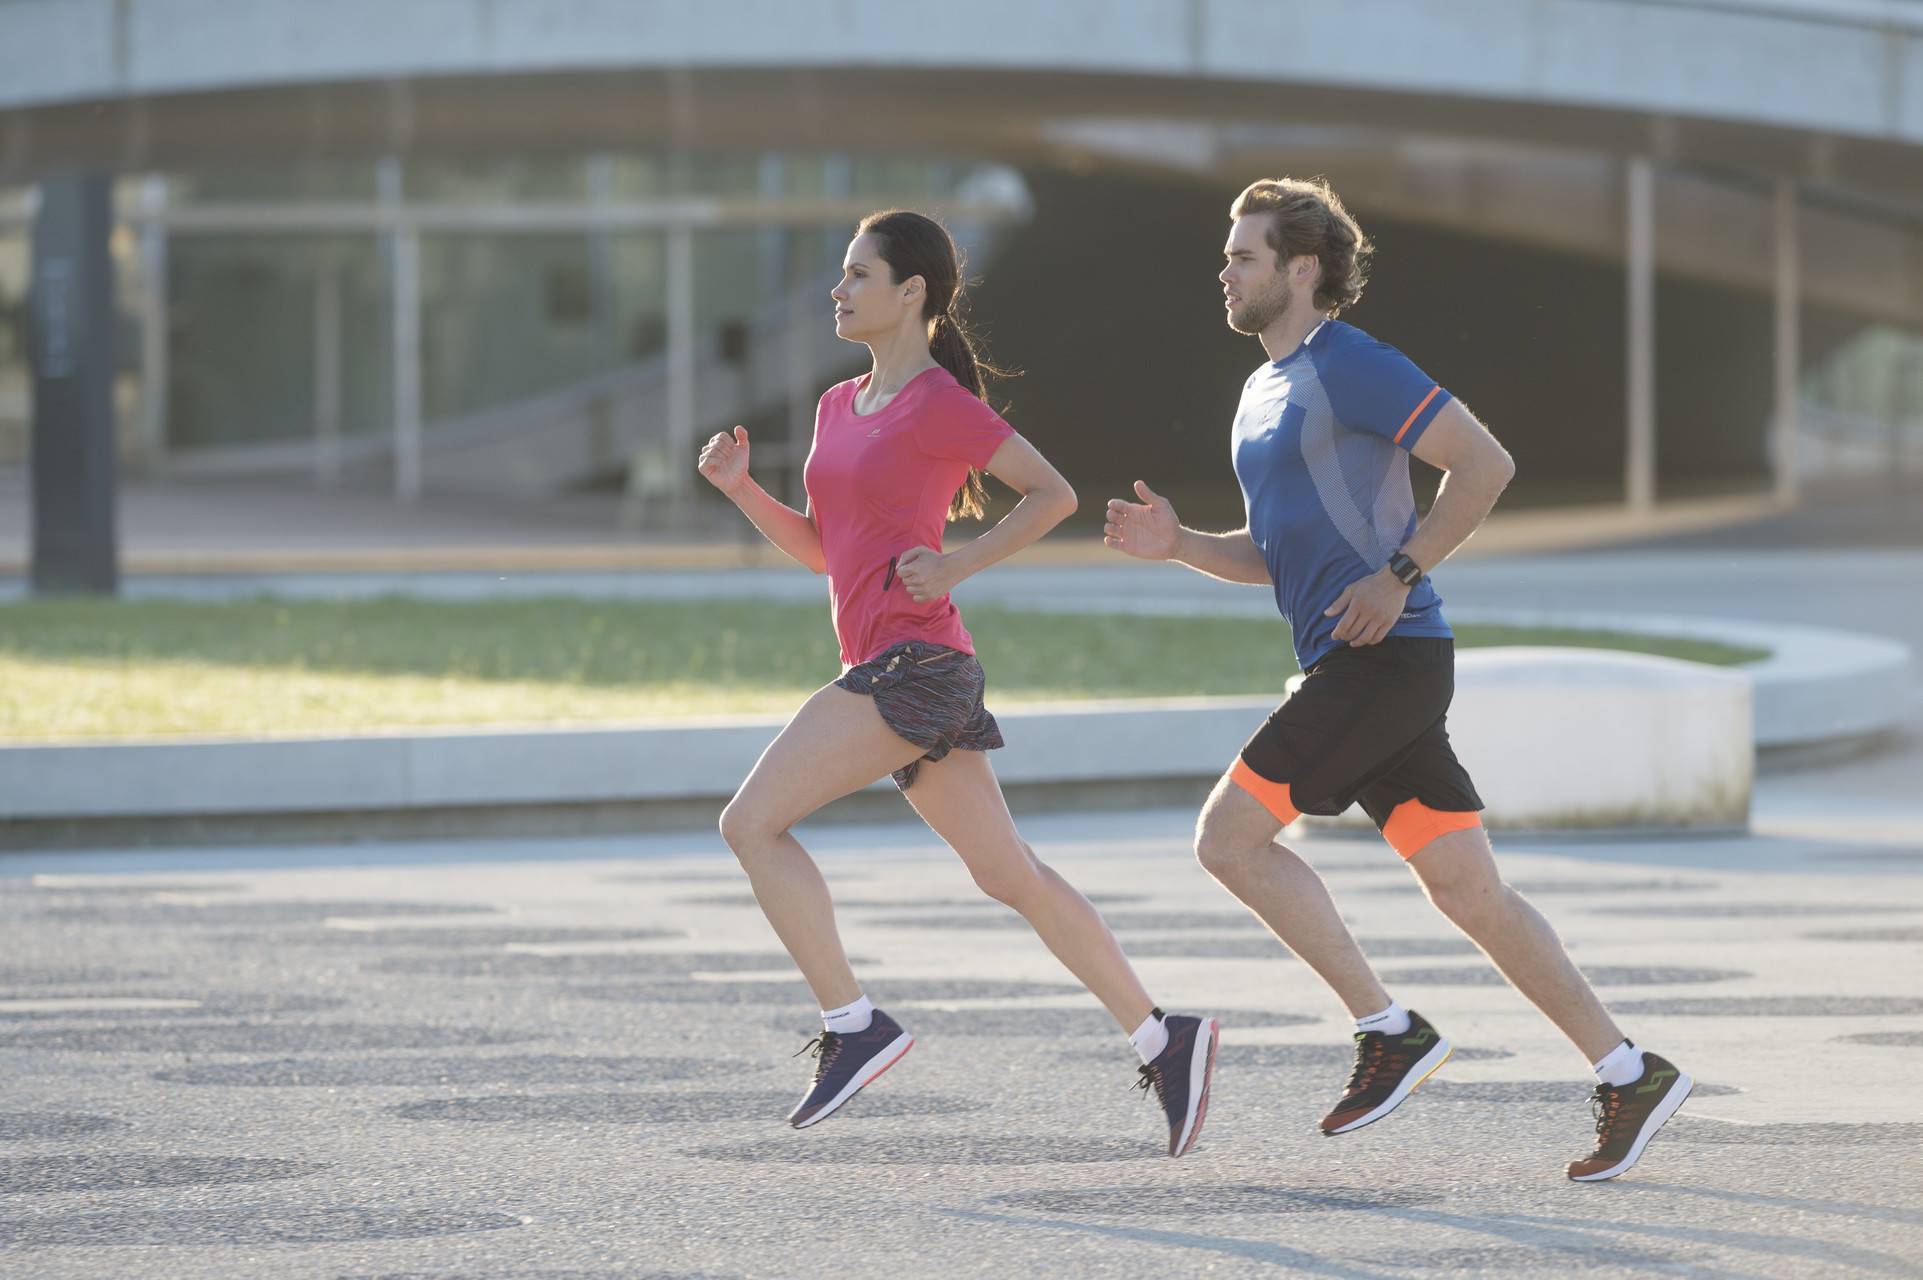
(1287, 333)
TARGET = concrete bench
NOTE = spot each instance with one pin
(1564, 739)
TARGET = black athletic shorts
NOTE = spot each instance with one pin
(1367, 726)
(929, 694)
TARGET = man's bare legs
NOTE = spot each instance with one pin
(1458, 872)
(1235, 843)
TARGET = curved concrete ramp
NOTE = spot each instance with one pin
(1561, 739)
(1574, 738)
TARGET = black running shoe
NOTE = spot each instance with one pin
(1180, 1077)
(846, 1062)
(1387, 1070)
(1628, 1117)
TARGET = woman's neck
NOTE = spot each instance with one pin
(897, 359)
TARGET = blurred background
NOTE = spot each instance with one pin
(374, 665)
(508, 260)
(434, 301)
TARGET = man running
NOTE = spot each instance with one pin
(1321, 448)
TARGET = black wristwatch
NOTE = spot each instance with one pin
(1407, 571)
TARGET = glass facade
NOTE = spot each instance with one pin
(332, 181)
(497, 179)
(504, 317)
(1867, 398)
(243, 316)
(254, 313)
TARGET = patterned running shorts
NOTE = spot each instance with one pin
(929, 694)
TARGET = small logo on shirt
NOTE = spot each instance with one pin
(874, 433)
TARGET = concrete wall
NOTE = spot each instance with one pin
(1851, 67)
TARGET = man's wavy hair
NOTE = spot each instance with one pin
(1309, 218)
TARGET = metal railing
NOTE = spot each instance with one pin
(1840, 442)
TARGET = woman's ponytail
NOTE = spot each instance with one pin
(954, 350)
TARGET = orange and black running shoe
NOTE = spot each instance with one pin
(1387, 1070)
(1629, 1116)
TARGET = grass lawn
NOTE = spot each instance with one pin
(269, 668)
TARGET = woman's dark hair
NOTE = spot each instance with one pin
(913, 244)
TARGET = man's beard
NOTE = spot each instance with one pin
(1259, 313)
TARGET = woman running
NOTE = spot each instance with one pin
(896, 455)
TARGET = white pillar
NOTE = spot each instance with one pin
(1639, 462)
(804, 312)
(404, 301)
(327, 374)
(405, 266)
(1784, 425)
(154, 370)
(771, 184)
(600, 183)
(1902, 388)
(681, 337)
(837, 183)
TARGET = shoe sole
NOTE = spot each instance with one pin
(896, 1050)
(1678, 1094)
(1199, 1092)
(1426, 1066)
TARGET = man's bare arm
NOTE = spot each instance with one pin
(1149, 530)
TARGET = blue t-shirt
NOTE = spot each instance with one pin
(1321, 451)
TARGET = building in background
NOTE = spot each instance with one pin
(497, 323)
(516, 248)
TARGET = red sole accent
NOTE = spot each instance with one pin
(1202, 1103)
(870, 1080)
(891, 1062)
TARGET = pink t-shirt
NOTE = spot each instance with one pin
(879, 484)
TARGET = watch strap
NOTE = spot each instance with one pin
(1407, 571)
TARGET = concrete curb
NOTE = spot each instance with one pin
(1562, 739)
(1132, 739)
(1818, 686)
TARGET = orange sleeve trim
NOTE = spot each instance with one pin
(1412, 825)
(1411, 421)
(1273, 796)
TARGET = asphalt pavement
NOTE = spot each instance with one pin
(563, 1058)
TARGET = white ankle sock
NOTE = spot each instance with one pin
(1621, 1065)
(1392, 1021)
(850, 1018)
(1150, 1038)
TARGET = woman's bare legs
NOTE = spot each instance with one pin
(836, 744)
(961, 800)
